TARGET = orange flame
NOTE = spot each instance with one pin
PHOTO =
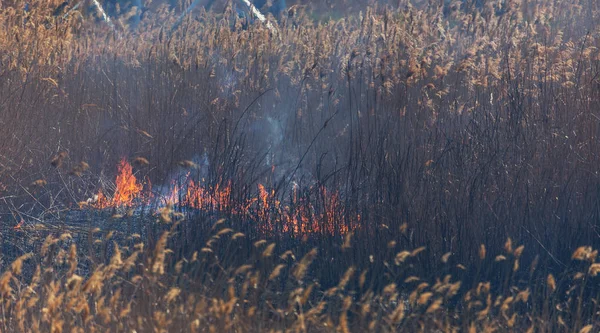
(298, 215)
(127, 188)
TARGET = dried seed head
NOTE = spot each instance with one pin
(268, 251)
(581, 253)
(551, 282)
(39, 183)
(276, 272)
(508, 246)
(482, 252)
(445, 257)
(57, 160)
(401, 257)
(141, 161)
(188, 164)
(424, 298)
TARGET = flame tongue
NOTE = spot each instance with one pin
(298, 216)
(127, 188)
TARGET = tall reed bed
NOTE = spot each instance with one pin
(467, 123)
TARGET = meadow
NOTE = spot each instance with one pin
(416, 166)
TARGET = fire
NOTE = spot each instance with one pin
(207, 199)
(297, 215)
(127, 188)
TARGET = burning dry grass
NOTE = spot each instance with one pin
(296, 216)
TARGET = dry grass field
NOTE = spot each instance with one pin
(354, 166)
